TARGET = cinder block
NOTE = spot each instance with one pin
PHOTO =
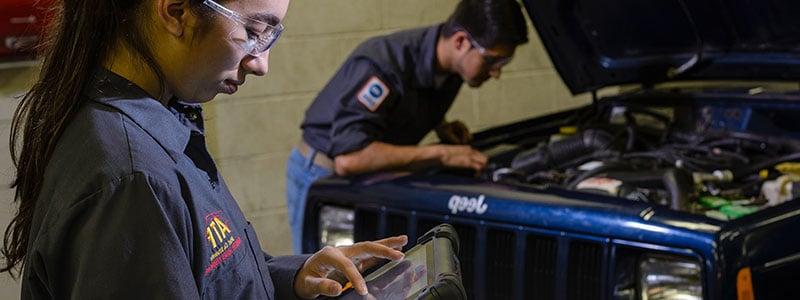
(14, 81)
(464, 107)
(296, 66)
(7, 171)
(272, 228)
(258, 182)
(314, 17)
(487, 94)
(348, 43)
(429, 138)
(524, 96)
(415, 13)
(9, 288)
(245, 127)
(530, 56)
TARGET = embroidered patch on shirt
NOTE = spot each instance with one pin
(373, 93)
(221, 238)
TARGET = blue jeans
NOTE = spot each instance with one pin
(301, 172)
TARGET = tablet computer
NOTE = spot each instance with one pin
(430, 270)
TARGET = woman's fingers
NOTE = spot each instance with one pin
(324, 286)
(347, 261)
(343, 264)
(366, 250)
(395, 242)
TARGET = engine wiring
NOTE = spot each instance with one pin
(640, 154)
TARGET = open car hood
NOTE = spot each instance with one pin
(594, 44)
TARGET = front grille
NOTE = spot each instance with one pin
(500, 264)
(365, 228)
(395, 225)
(466, 256)
(505, 262)
(540, 267)
(583, 281)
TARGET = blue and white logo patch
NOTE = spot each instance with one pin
(373, 93)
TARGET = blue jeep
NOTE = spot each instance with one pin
(668, 190)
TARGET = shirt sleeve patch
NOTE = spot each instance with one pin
(373, 93)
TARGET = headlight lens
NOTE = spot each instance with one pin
(336, 226)
(670, 278)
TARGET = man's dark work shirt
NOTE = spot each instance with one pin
(387, 91)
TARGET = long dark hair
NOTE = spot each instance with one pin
(80, 36)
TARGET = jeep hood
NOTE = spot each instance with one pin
(594, 44)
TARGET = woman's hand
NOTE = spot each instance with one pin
(313, 279)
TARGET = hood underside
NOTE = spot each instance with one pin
(594, 44)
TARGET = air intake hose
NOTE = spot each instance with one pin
(546, 157)
(676, 182)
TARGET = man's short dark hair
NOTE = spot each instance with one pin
(489, 22)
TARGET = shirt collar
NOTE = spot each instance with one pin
(153, 117)
(426, 70)
(427, 76)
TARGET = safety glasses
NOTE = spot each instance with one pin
(492, 61)
(260, 36)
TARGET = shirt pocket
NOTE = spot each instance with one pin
(232, 271)
(259, 260)
(227, 281)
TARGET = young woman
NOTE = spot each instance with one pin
(118, 196)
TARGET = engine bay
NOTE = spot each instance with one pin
(686, 158)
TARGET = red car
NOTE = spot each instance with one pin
(21, 22)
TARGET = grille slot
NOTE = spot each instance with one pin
(500, 264)
(466, 255)
(366, 227)
(540, 267)
(585, 270)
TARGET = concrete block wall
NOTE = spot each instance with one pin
(251, 133)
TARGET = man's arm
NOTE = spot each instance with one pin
(382, 156)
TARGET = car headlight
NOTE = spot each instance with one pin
(335, 226)
(670, 278)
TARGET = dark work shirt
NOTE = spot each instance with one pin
(387, 91)
(132, 207)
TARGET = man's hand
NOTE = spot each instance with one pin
(313, 278)
(454, 133)
(461, 157)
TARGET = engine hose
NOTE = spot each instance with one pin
(547, 156)
(679, 186)
(746, 170)
(678, 183)
(585, 175)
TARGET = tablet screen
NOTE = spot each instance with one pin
(399, 279)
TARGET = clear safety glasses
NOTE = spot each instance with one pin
(260, 36)
(493, 61)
